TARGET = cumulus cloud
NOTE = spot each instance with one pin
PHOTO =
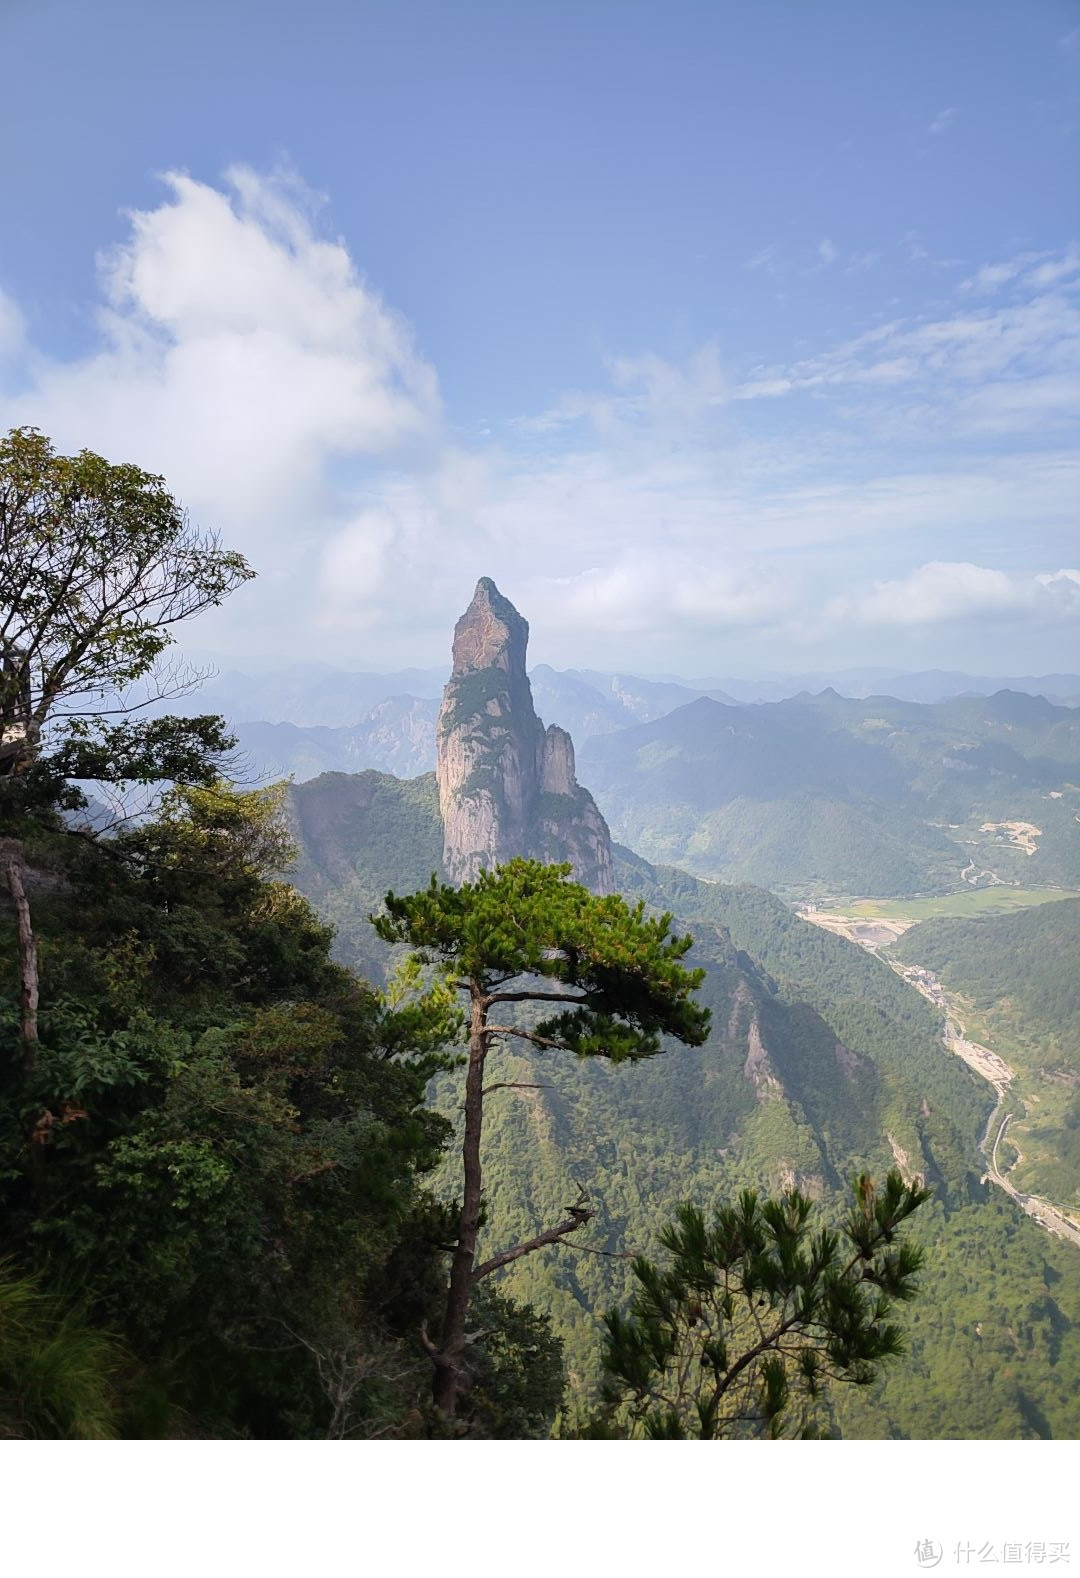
(938, 592)
(241, 352)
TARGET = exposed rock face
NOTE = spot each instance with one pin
(506, 784)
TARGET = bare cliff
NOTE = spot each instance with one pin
(507, 785)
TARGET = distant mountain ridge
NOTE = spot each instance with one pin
(821, 1061)
(585, 701)
(819, 794)
(311, 720)
(397, 736)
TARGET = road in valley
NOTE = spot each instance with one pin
(873, 935)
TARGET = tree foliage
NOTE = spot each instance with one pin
(742, 1331)
(97, 563)
(618, 971)
(614, 985)
(222, 1140)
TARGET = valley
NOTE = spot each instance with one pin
(825, 1059)
(877, 932)
(965, 904)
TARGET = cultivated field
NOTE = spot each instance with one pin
(966, 903)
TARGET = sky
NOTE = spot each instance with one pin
(728, 338)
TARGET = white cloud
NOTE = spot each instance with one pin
(765, 258)
(644, 593)
(942, 121)
(859, 262)
(1003, 368)
(354, 569)
(241, 353)
(939, 592)
(1056, 269)
(1035, 270)
(992, 276)
(647, 394)
(12, 327)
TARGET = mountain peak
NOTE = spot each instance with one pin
(490, 633)
(507, 785)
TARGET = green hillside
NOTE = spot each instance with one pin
(823, 795)
(1017, 981)
(358, 835)
(821, 1061)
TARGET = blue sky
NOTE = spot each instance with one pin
(726, 337)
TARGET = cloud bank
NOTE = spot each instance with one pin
(917, 476)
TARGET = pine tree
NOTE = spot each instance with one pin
(613, 982)
(754, 1316)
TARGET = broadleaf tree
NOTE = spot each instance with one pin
(98, 562)
(611, 982)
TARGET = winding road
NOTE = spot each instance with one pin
(988, 1064)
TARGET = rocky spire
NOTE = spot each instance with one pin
(506, 785)
(491, 634)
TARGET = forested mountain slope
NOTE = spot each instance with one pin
(359, 834)
(1017, 981)
(821, 1060)
(1022, 972)
(820, 794)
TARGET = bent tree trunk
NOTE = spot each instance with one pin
(451, 1368)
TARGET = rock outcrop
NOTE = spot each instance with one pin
(506, 784)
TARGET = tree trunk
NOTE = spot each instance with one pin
(28, 967)
(449, 1359)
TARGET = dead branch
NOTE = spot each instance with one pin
(513, 1084)
(578, 1216)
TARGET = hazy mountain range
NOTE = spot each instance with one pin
(814, 795)
(317, 694)
(308, 719)
(825, 794)
(821, 1060)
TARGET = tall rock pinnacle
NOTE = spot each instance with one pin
(507, 784)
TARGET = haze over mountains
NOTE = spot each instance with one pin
(821, 1060)
(814, 794)
(311, 718)
(823, 794)
(320, 694)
